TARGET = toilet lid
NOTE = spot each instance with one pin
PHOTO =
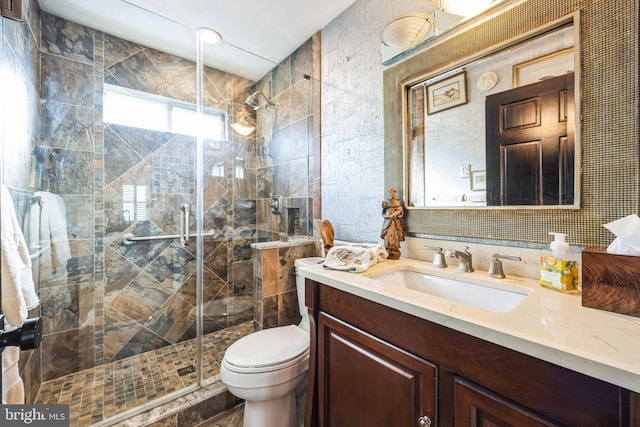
(268, 347)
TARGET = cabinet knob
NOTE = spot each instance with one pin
(424, 421)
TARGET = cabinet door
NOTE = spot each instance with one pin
(363, 381)
(477, 407)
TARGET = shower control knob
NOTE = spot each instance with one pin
(424, 421)
(27, 337)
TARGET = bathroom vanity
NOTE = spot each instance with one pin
(383, 354)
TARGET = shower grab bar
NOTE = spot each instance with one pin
(184, 225)
(129, 238)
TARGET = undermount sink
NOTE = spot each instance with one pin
(499, 298)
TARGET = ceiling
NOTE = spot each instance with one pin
(257, 34)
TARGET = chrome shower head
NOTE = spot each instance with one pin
(252, 101)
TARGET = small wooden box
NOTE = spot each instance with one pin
(610, 282)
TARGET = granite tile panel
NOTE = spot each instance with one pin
(118, 331)
(244, 181)
(67, 39)
(141, 298)
(118, 273)
(138, 72)
(242, 244)
(142, 141)
(165, 211)
(117, 49)
(270, 312)
(215, 258)
(119, 156)
(79, 216)
(281, 76)
(172, 267)
(301, 94)
(66, 126)
(299, 180)
(288, 310)
(76, 78)
(69, 171)
(173, 319)
(302, 61)
(60, 354)
(243, 278)
(60, 306)
(264, 183)
(142, 251)
(142, 342)
(282, 179)
(270, 275)
(280, 149)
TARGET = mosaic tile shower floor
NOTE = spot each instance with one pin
(105, 391)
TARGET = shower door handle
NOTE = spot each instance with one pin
(27, 336)
(185, 225)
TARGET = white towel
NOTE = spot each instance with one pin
(53, 230)
(377, 252)
(348, 258)
(18, 293)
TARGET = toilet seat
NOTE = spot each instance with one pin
(268, 350)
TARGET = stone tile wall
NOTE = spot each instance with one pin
(276, 297)
(121, 300)
(19, 131)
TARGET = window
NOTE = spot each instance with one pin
(130, 107)
(134, 202)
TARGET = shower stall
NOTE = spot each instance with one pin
(139, 196)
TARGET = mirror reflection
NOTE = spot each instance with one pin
(498, 131)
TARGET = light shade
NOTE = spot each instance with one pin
(406, 31)
(464, 7)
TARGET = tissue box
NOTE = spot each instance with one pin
(611, 282)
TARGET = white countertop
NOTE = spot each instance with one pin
(548, 325)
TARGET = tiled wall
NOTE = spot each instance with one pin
(276, 297)
(19, 131)
(288, 166)
(288, 142)
(119, 300)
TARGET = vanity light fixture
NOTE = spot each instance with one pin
(464, 7)
(406, 31)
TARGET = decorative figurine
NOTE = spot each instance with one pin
(392, 232)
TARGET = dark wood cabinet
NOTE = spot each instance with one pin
(369, 382)
(371, 365)
(477, 407)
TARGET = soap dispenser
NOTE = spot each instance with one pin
(559, 269)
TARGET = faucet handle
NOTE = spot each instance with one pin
(495, 266)
(438, 257)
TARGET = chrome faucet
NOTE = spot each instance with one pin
(495, 266)
(438, 257)
(466, 263)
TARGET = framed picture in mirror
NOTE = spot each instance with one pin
(547, 66)
(447, 93)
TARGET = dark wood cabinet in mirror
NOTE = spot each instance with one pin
(487, 132)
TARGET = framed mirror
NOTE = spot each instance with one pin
(498, 130)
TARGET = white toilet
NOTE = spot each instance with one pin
(268, 369)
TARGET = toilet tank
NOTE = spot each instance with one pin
(301, 262)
